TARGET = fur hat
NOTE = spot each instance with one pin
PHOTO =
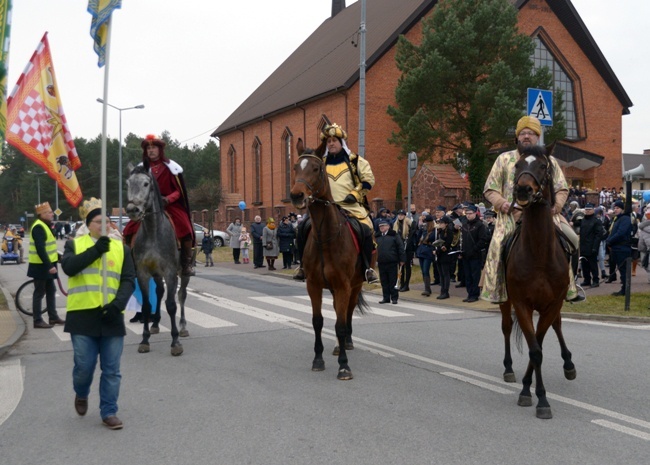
(42, 208)
(529, 122)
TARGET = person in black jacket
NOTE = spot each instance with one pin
(286, 235)
(443, 259)
(620, 242)
(403, 226)
(475, 238)
(591, 234)
(390, 253)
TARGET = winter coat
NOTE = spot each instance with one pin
(286, 235)
(256, 231)
(644, 236)
(591, 234)
(234, 230)
(390, 248)
(207, 244)
(270, 235)
(620, 238)
(475, 238)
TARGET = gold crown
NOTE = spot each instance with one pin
(89, 205)
(333, 130)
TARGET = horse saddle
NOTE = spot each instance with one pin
(355, 227)
(509, 240)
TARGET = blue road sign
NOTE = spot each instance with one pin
(540, 105)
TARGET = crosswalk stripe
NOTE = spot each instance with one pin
(244, 309)
(294, 306)
(402, 304)
(204, 320)
(375, 310)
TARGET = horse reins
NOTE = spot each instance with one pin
(538, 196)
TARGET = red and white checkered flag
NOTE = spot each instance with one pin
(36, 123)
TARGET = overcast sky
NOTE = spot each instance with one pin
(192, 62)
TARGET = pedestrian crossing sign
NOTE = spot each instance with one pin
(540, 105)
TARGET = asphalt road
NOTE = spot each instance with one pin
(427, 388)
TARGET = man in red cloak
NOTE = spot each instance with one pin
(169, 176)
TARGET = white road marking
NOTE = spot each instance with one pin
(204, 320)
(475, 382)
(244, 308)
(609, 324)
(622, 429)
(281, 302)
(375, 310)
(11, 387)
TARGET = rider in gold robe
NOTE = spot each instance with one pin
(350, 178)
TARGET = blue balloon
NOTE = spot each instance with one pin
(242, 205)
(646, 196)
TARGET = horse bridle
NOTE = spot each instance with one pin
(151, 192)
(538, 196)
(322, 177)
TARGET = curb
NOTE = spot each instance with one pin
(19, 324)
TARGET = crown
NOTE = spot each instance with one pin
(42, 207)
(89, 205)
(333, 130)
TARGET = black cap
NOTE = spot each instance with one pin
(458, 206)
(401, 212)
(440, 208)
(472, 208)
(489, 213)
(382, 221)
(589, 206)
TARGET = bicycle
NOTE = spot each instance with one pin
(25, 294)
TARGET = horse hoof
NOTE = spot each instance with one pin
(177, 350)
(336, 351)
(154, 330)
(318, 365)
(525, 401)
(344, 374)
(570, 374)
(544, 413)
(349, 346)
(143, 348)
(509, 378)
(184, 333)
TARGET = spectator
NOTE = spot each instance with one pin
(475, 239)
(591, 235)
(619, 240)
(207, 246)
(390, 254)
(286, 236)
(234, 231)
(257, 230)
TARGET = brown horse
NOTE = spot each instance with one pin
(537, 275)
(330, 258)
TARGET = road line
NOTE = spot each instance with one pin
(469, 380)
(622, 429)
(605, 323)
(205, 320)
(11, 387)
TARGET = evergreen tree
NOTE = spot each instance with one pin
(464, 87)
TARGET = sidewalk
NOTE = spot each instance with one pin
(12, 326)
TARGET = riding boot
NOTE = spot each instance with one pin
(186, 258)
(370, 255)
(427, 286)
(272, 264)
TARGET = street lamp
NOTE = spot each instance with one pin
(137, 107)
(38, 182)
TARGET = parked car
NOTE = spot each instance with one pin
(220, 237)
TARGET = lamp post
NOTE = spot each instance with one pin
(119, 168)
(38, 182)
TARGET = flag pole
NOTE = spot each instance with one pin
(103, 155)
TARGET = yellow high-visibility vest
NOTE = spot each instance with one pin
(50, 244)
(85, 288)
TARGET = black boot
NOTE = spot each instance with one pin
(187, 257)
(427, 286)
(369, 255)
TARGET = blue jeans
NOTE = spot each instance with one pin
(86, 349)
(425, 267)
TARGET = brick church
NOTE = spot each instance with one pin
(319, 84)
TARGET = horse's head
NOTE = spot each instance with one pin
(533, 177)
(141, 192)
(311, 181)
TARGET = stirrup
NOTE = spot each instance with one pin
(371, 276)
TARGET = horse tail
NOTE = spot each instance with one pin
(362, 305)
(518, 336)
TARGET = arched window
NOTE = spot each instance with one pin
(324, 121)
(231, 168)
(561, 82)
(287, 138)
(257, 169)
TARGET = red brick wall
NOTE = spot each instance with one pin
(598, 106)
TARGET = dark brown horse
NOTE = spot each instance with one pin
(537, 275)
(330, 258)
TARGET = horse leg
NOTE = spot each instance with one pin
(182, 295)
(354, 301)
(525, 321)
(341, 327)
(546, 319)
(144, 347)
(506, 329)
(170, 304)
(160, 290)
(316, 297)
(569, 367)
